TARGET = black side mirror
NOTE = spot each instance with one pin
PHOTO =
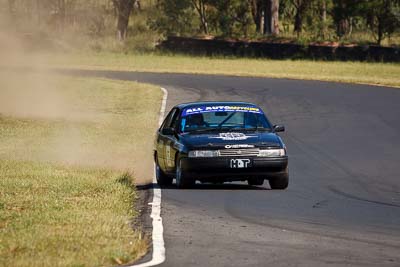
(279, 128)
(168, 131)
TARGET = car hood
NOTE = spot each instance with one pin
(233, 139)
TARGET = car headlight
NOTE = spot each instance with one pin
(272, 152)
(203, 153)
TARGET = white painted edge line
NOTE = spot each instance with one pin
(158, 256)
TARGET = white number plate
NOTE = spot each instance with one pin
(240, 163)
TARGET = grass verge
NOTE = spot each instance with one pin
(70, 151)
(62, 216)
(385, 74)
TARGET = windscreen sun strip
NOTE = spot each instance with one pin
(233, 108)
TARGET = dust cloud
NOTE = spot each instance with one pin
(28, 91)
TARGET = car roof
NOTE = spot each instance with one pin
(202, 103)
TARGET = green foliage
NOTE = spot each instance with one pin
(175, 17)
(383, 17)
(92, 24)
(343, 11)
(313, 20)
(232, 17)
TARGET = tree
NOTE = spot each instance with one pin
(323, 9)
(175, 17)
(383, 17)
(200, 6)
(271, 17)
(257, 14)
(178, 17)
(301, 7)
(124, 9)
(232, 17)
(343, 13)
(265, 15)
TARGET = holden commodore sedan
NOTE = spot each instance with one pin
(217, 142)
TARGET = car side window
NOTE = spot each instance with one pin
(171, 118)
(168, 119)
(175, 120)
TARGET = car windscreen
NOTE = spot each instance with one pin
(209, 118)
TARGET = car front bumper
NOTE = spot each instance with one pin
(221, 167)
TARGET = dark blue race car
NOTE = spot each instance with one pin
(220, 142)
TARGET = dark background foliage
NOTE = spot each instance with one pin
(139, 24)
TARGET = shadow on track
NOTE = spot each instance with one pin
(206, 186)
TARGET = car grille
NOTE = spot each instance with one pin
(247, 152)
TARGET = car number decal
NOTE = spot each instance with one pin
(233, 136)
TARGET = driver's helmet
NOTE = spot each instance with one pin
(195, 120)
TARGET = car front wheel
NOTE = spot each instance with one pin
(182, 180)
(280, 182)
(162, 178)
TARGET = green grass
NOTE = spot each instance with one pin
(387, 74)
(63, 216)
(71, 150)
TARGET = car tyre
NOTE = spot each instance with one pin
(182, 180)
(162, 178)
(280, 182)
(255, 181)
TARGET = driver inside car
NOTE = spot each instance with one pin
(195, 121)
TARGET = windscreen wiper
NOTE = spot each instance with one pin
(227, 119)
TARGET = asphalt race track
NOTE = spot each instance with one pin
(342, 207)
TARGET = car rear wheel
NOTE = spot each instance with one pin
(183, 180)
(280, 182)
(162, 178)
(255, 181)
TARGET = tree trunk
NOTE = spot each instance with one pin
(323, 11)
(267, 16)
(200, 6)
(323, 18)
(271, 17)
(139, 5)
(301, 8)
(124, 9)
(343, 23)
(275, 17)
(204, 22)
(380, 32)
(343, 27)
(257, 13)
(298, 22)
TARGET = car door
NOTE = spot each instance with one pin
(163, 141)
(170, 145)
